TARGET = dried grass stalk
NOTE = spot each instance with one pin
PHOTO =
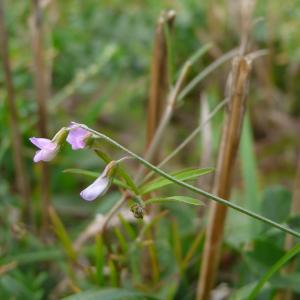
(42, 94)
(21, 178)
(238, 82)
(159, 75)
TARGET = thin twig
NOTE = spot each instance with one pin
(21, 178)
(204, 73)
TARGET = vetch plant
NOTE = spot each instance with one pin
(58, 138)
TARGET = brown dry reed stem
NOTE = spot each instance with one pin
(158, 93)
(42, 93)
(222, 182)
(159, 75)
(171, 101)
(289, 240)
(16, 139)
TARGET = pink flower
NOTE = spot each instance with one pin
(77, 137)
(100, 186)
(48, 149)
(96, 189)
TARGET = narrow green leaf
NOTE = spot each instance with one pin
(176, 242)
(62, 235)
(276, 267)
(182, 175)
(197, 241)
(182, 199)
(153, 259)
(110, 294)
(121, 239)
(112, 273)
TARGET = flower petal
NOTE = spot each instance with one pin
(43, 143)
(96, 189)
(77, 137)
(45, 155)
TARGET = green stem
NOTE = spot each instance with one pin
(191, 187)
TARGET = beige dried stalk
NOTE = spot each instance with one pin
(224, 171)
(42, 94)
(16, 139)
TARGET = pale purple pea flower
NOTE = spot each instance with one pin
(48, 149)
(96, 189)
(77, 137)
(100, 186)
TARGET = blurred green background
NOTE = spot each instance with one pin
(98, 57)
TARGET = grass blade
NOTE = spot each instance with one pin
(62, 235)
(182, 199)
(183, 175)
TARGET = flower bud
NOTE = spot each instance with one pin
(138, 211)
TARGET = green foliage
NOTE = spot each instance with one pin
(183, 175)
(276, 203)
(99, 54)
(110, 294)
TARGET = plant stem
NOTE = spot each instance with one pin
(224, 58)
(159, 75)
(42, 93)
(191, 187)
(21, 178)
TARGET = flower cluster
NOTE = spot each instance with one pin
(78, 138)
